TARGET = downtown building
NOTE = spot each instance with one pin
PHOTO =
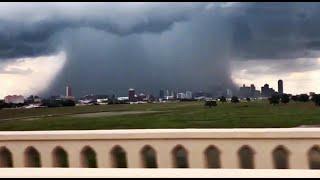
(132, 95)
(266, 91)
(280, 86)
(249, 91)
(69, 94)
(14, 99)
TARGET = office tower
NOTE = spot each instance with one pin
(266, 91)
(188, 95)
(280, 86)
(245, 91)
(252, 90)
(229, 93)
(131, 94)
(161, 94)
(68, 91)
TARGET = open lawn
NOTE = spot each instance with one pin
(257, 114)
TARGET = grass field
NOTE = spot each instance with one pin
(257, 114)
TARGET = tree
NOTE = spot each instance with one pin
(223, 99)
(210, 103)
(274, 99)
(2, 104)
(294, 98)
(30, 99)
(303, 97)
(317, 99)
(51, 103)
(285, 98)
(68, 102)
(235, 99)
(313, 97)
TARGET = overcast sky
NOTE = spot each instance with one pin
(110, 47)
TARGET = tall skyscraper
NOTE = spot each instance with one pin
(131, 94)
(245, 91)
(188, 95)
(167, 92)
(229, 93)
(161, 94)
(252, 90)
(280, 86)
(68, 91)
(266, 91)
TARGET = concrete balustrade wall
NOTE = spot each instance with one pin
(290, 148)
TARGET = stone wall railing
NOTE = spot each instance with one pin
(155, 173)
(289, 148)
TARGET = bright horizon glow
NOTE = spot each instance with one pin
(293, 82)
(26, 76)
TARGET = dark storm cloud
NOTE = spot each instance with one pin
(112, 47)
(25, 37)
(275, 30)
(280, 68)
(18, 40)
(260, 30)
(184, 58)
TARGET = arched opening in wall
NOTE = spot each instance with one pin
(60, 157)
(88, 158)
(212, 155)
(5, 158)
(280, 158)
(180, 157)
(149, 157)
(314, 157)
(32, 157)
(246, 157)
(119, 157)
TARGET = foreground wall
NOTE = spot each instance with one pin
(155, 173)
(293, 148)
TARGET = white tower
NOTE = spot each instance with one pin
(68, 91)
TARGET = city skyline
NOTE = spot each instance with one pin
(244, 91)
(68, 91)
